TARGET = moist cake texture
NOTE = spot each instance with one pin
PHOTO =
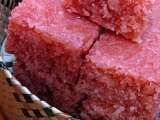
(120, 78)
(67, 61)
(126, 17)
(49, 45)
(120, 84)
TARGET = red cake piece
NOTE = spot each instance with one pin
(126, 17)
(121, 78)
(62, 96)
(49, 45)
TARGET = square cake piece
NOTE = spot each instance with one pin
(50, 46)
(122, 78)
(126, 17)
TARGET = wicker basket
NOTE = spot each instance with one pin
(16, 101)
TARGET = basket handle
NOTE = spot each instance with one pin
(5, 7)
(10, 3)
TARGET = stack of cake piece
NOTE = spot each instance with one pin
(126, 17)
(64, 55)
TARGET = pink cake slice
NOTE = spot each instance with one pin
(121, 78)
(126, 17)
(50, 46)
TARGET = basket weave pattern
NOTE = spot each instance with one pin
(16, 104)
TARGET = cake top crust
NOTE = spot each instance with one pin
(139, 60)
(48, 17)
